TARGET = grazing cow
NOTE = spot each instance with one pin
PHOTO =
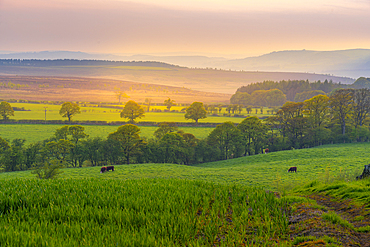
(110, 168)
(293, 169)
(267, 151)
(103, 169)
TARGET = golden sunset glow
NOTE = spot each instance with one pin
(206, 27)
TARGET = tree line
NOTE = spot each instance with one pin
(82, 62)
(271, 93)
(341, 117)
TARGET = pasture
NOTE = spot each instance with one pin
(37, 112)
(324, 164)
(40, 132)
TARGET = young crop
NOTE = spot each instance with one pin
(92, 212)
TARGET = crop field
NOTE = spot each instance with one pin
(93, 212)
(37, 112)
(39, 132)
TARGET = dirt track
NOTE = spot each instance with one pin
(307, 221)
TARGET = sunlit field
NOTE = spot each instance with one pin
(37, 112)
(38, 132)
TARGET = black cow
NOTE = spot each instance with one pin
(293, 169)
(110, 168)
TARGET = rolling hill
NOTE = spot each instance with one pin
(206, 80)
(51, 88)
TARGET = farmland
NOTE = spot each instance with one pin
(265, 170)
(222, 203)
(92, 212)
(95, 113)
(39, 132)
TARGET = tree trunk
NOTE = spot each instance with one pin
(365, 173)
(343, 126)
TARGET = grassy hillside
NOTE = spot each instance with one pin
(223, 203)
(325, 163)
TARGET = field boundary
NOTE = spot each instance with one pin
(65, 122)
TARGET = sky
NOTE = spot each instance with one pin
(229, 28)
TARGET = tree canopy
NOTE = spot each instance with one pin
(69, 110)
(128, 139)
(132, 110)
(169, 103)
(6, 110)
(164, 128)
(196, 111)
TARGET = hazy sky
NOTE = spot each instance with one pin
(225, 27)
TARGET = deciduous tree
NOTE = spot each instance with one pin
(253, 132)
(6, 110)
(13, 157)
(164, 128)
(316, 109)
(129, 140)
(120, 94)
(69, 110)
(172, 148)
(341, 103)
(148, 102)
(361, 106)
(169, 103)
(196, 111)
(227, 138)
(131, 111)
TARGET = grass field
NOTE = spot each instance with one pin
(220, 203)
(37, 112)
(40, 132)
(93, 212)
(325, 163)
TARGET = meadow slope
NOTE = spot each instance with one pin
(324, 163)
(224, 203)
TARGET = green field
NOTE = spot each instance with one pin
(222, 203)
(94, 212)
(40, 132)
(323, 163)
(37, 112)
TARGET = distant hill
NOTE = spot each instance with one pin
(159, 73)
(352, 63)
(77, 62)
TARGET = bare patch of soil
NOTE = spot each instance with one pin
(307, 220)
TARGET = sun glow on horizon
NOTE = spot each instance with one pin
(222, 27)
